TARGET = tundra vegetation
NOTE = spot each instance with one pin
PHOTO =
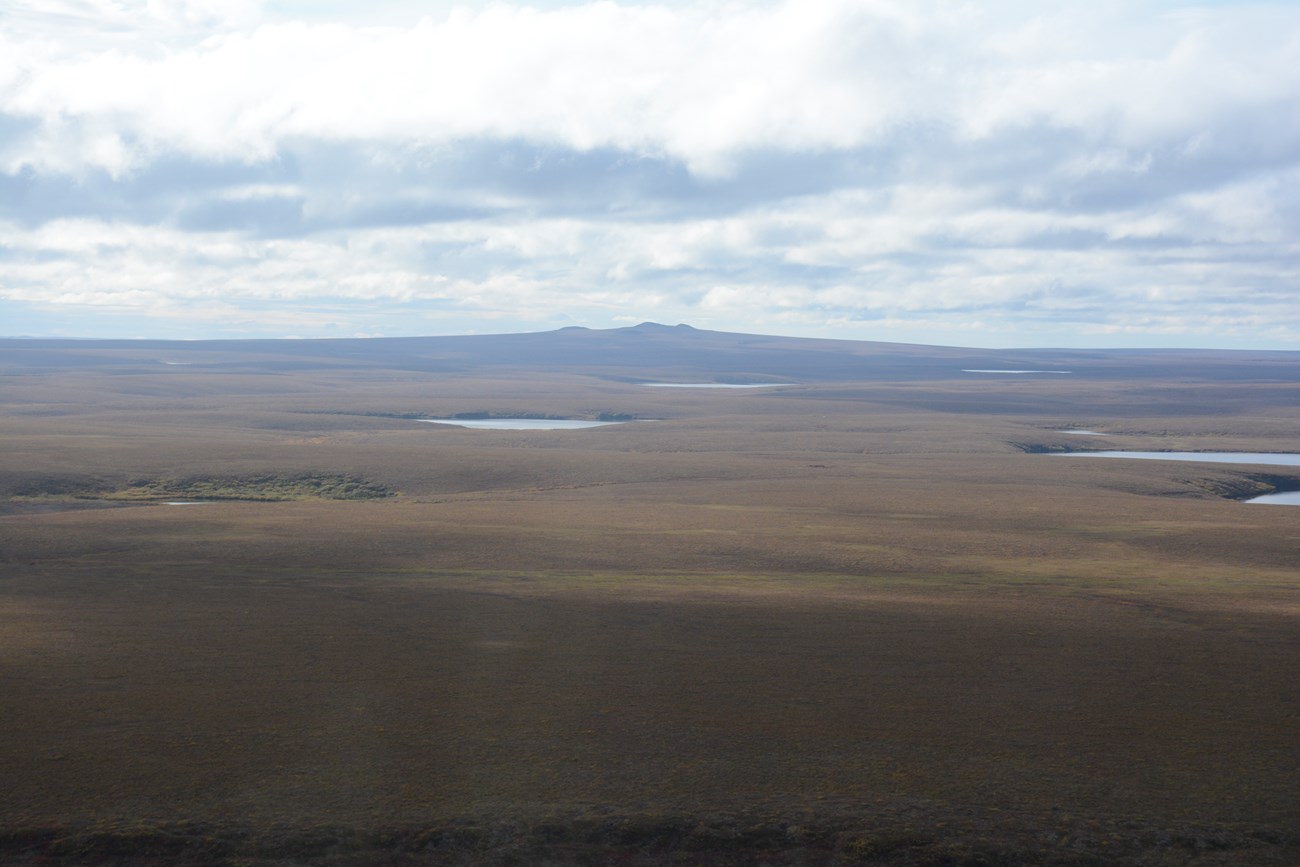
(263, 486)
(860, 619)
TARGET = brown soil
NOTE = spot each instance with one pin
(786, 628)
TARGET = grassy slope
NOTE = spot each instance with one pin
(848, 604)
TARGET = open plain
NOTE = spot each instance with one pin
(864, 617)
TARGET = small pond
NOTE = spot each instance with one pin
(1288, 498)
(519, 423)
(970, 370)
(715, 384)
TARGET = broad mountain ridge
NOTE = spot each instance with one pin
(647, 350)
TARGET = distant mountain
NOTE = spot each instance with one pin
(648, 351)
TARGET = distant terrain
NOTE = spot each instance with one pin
(644, 351)
(871, 614)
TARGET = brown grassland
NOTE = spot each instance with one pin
(852, 620)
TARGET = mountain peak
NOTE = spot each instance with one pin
(655, 326)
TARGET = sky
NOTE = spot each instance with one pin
(993, 173)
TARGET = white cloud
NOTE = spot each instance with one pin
(702, 85)
(1102, 167)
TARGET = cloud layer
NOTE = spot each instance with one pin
(935, 171)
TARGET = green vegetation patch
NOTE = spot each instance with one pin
(267, 487)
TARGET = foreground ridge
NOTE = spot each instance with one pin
(888, 833)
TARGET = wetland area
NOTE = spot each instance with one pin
(858, 621)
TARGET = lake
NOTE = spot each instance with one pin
(1276, 459)
(715, 384)
(519, 423)
(1288, 498)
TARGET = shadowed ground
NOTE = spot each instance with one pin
(840, 623)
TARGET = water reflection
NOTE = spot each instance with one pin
(715, 384)
(1276, 459)
(1289, 498)
(519, 423)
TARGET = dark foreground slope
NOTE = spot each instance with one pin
(847, 621)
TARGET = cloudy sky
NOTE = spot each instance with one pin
(980, 173)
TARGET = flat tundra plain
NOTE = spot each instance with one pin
(865, 617)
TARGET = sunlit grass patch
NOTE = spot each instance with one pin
(268, 487)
